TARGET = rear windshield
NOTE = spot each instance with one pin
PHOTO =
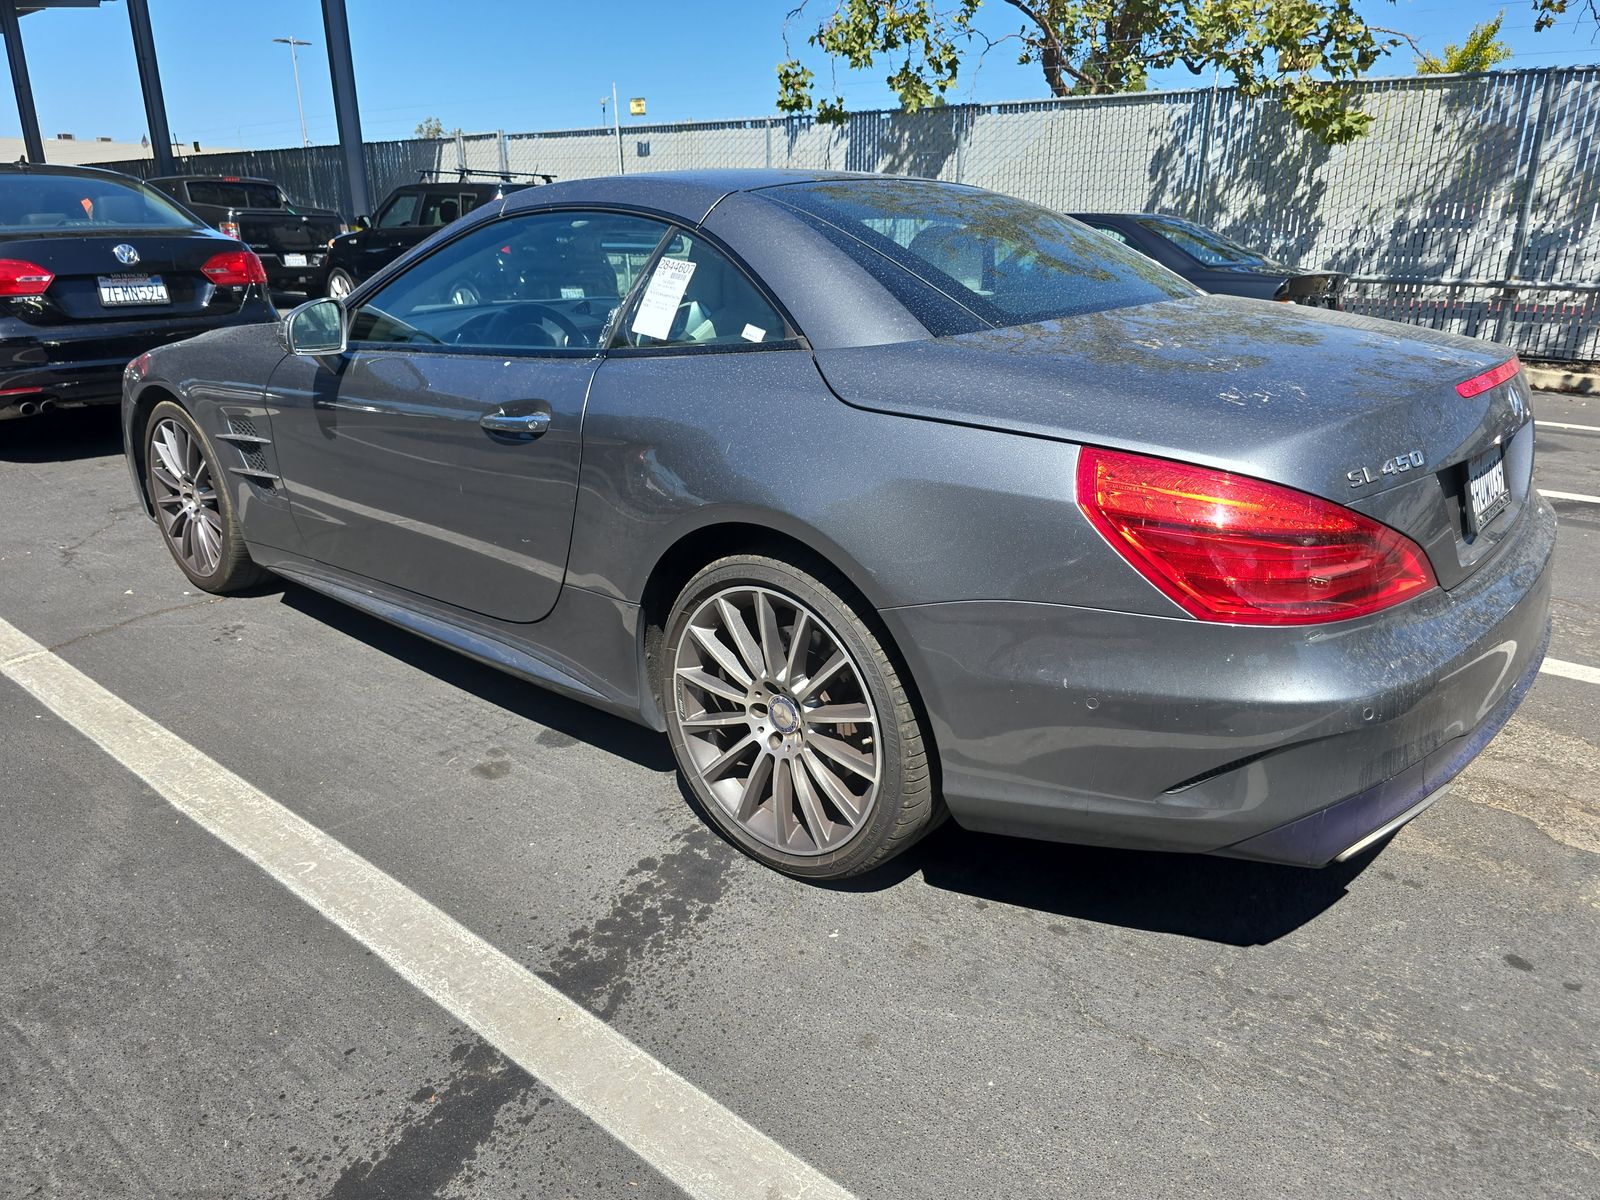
(235, 195)
(1204, 245)
(83, 204)
(1003, 261)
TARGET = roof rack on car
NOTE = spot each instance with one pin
(435, 174)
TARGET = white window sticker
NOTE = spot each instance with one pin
(754, 333)
(572, 293)
(659, 306)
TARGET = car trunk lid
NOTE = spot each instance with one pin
(1356, 410)
(80, 264)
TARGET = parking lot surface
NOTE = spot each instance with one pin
(985, 1017)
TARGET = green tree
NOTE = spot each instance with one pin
(1480, 52)
(1287, 49)
(430, 127)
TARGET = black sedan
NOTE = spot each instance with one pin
(883, 498)
(1216, 262)
(95, 269)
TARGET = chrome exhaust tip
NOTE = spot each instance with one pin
(28, 408)
(46, 406)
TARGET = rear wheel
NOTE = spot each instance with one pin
(193, 506)
(791, 723)
(340, 283)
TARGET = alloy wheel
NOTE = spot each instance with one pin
(339, 285)
(186, 497)
(777, 720)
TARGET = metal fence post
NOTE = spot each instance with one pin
(769, 142)
(505, 153)
(1519, 238)
(1202, 183)
(960, 140)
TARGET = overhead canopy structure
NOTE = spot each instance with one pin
(335, 24)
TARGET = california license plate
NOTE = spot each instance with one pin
(1487, 494)
(119, 290)
(294, 260)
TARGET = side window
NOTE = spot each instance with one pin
(398, 211)
(539, 282)
(1116, 234)
(696, 297)
(469, 201)
(440, 208)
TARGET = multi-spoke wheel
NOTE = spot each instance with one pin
(340, 283)
(790, 722)
(192, 504)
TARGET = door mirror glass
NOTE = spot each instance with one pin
(316, 328)
(362, 222)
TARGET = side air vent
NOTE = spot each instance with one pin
(255, 465)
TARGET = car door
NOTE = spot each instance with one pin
(440, 453)
(393, 230)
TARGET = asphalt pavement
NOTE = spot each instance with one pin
(984, 1018)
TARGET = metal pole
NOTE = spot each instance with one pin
(505, 153)
(616, 124)
(336, 25)
(155, 107)
(294, 63)
(20, 83)
(1519, 238)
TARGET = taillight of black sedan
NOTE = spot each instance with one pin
(95, 269)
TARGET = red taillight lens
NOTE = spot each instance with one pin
(1231, 548)
(231, 228)
(1489, 379)
(233, 268)
(20, 278)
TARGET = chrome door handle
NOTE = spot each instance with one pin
(526, 425)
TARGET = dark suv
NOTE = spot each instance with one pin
(410, 213)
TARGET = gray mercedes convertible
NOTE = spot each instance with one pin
(886, 499)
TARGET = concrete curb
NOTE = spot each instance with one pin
(1551, 377)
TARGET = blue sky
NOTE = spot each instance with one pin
(530, 64)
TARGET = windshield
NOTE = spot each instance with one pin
(1204, 245)
(235, 195)
(1004, 261)
(398, 211)
(83, 204)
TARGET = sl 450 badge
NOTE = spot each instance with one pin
(1398, 465)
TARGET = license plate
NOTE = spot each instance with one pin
(1487, 494)
(294, 260)
(119, 290)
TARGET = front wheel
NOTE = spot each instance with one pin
(340, 283)
(192, 504)
(791, 723)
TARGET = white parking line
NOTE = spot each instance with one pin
(1570, 670)
(699, 1145)
(1564, 425)
(1578, 496)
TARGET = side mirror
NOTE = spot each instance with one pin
(316, 327)
(362, 222)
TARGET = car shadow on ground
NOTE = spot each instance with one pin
(1210, 899)
(517, 696)
(1196, 896)
(62, 436)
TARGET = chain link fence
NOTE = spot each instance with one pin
(1468, 207)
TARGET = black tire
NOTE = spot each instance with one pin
(233, 571)
(904, 805)
(340, 283)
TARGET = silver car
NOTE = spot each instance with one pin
(886, 499)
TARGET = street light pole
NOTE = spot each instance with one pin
(294, 61)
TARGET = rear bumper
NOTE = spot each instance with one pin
(72, 365)
(1287, 745)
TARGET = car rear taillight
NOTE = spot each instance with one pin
(1230, 548)
(21, 278)
(234, 268)
(1492, 378)
(231, 228)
